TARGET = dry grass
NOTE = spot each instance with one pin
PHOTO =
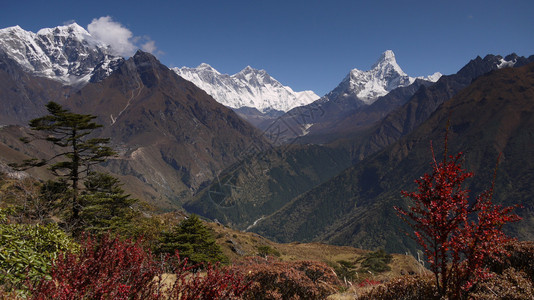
(237, 245)
(351, 293)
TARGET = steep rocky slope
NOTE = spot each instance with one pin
(426, 100)
(22, 95)
(263, 183)
(493, 115)
(171, 136)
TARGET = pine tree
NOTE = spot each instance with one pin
(76, 151)
(192, 240)
(105, 205)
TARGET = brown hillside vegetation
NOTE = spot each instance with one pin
(238, 245)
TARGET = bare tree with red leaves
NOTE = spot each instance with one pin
(457, 237)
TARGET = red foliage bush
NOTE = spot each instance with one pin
(406, 288)
(213, 283)
(511, 284)
(113, 269)
(513, 278)
(368, 282)
(457, 237)
(287, 280)
(108, 268)
(520, 256)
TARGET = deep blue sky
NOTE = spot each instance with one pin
(304, 44)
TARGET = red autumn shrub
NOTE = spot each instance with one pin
(520, 256)
(368, 282)
(406, 288)
(457, 237)
(511, 284)
(113, 269)
(104, 269)
(287, 280)
(212, 283)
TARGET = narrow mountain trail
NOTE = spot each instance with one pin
(132, 96)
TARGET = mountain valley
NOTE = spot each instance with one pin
(357, 205)
(255, 155)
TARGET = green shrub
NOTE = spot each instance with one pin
(27, 250)
(345, 270)
(266, 250)
(376, 262)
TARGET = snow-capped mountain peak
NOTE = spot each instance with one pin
(248, 69)
(384, 76)
(256, 78)
(387, 61)
(205, 66)
(72, 29)
(249, 87)
(68, 54)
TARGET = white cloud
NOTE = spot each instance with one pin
(120, 38)
(69, 22)
(149, 46)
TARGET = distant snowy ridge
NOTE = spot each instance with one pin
(503, 63)
(384, 76)
(432, 78)
(248, 88)
(68, 54)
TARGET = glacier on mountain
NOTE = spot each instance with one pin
(68, 54)
(247, 88)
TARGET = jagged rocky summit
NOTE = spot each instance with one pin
(68, 54)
